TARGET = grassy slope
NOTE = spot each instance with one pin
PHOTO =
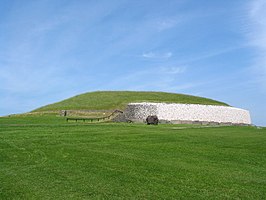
(118, 100)
(46, 158)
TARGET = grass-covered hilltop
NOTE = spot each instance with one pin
(108, 100)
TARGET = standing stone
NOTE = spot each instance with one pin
(63, 113)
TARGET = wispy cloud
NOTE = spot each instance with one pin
(157, 55)
(172, 70)
(164, 78)
(257, 37)
(164, 24)
(257, 16)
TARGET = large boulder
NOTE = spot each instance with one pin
(152, 119)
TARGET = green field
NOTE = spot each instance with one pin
(119, 99)
(46, 158)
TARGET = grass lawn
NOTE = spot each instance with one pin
(47, 158)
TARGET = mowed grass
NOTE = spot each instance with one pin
(47, 158)
(109, 100)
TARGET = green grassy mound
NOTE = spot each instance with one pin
(43, 157)
(109, 100)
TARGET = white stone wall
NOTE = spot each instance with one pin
(188, 112)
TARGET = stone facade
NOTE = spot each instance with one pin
(187, 112)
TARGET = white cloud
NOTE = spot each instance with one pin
(166, 24)
(257, 37)
(172, 70)
(159, 78)
(156, 55)
(257, 16)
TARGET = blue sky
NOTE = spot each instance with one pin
(55, 49)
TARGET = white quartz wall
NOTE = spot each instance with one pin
(188, 112)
